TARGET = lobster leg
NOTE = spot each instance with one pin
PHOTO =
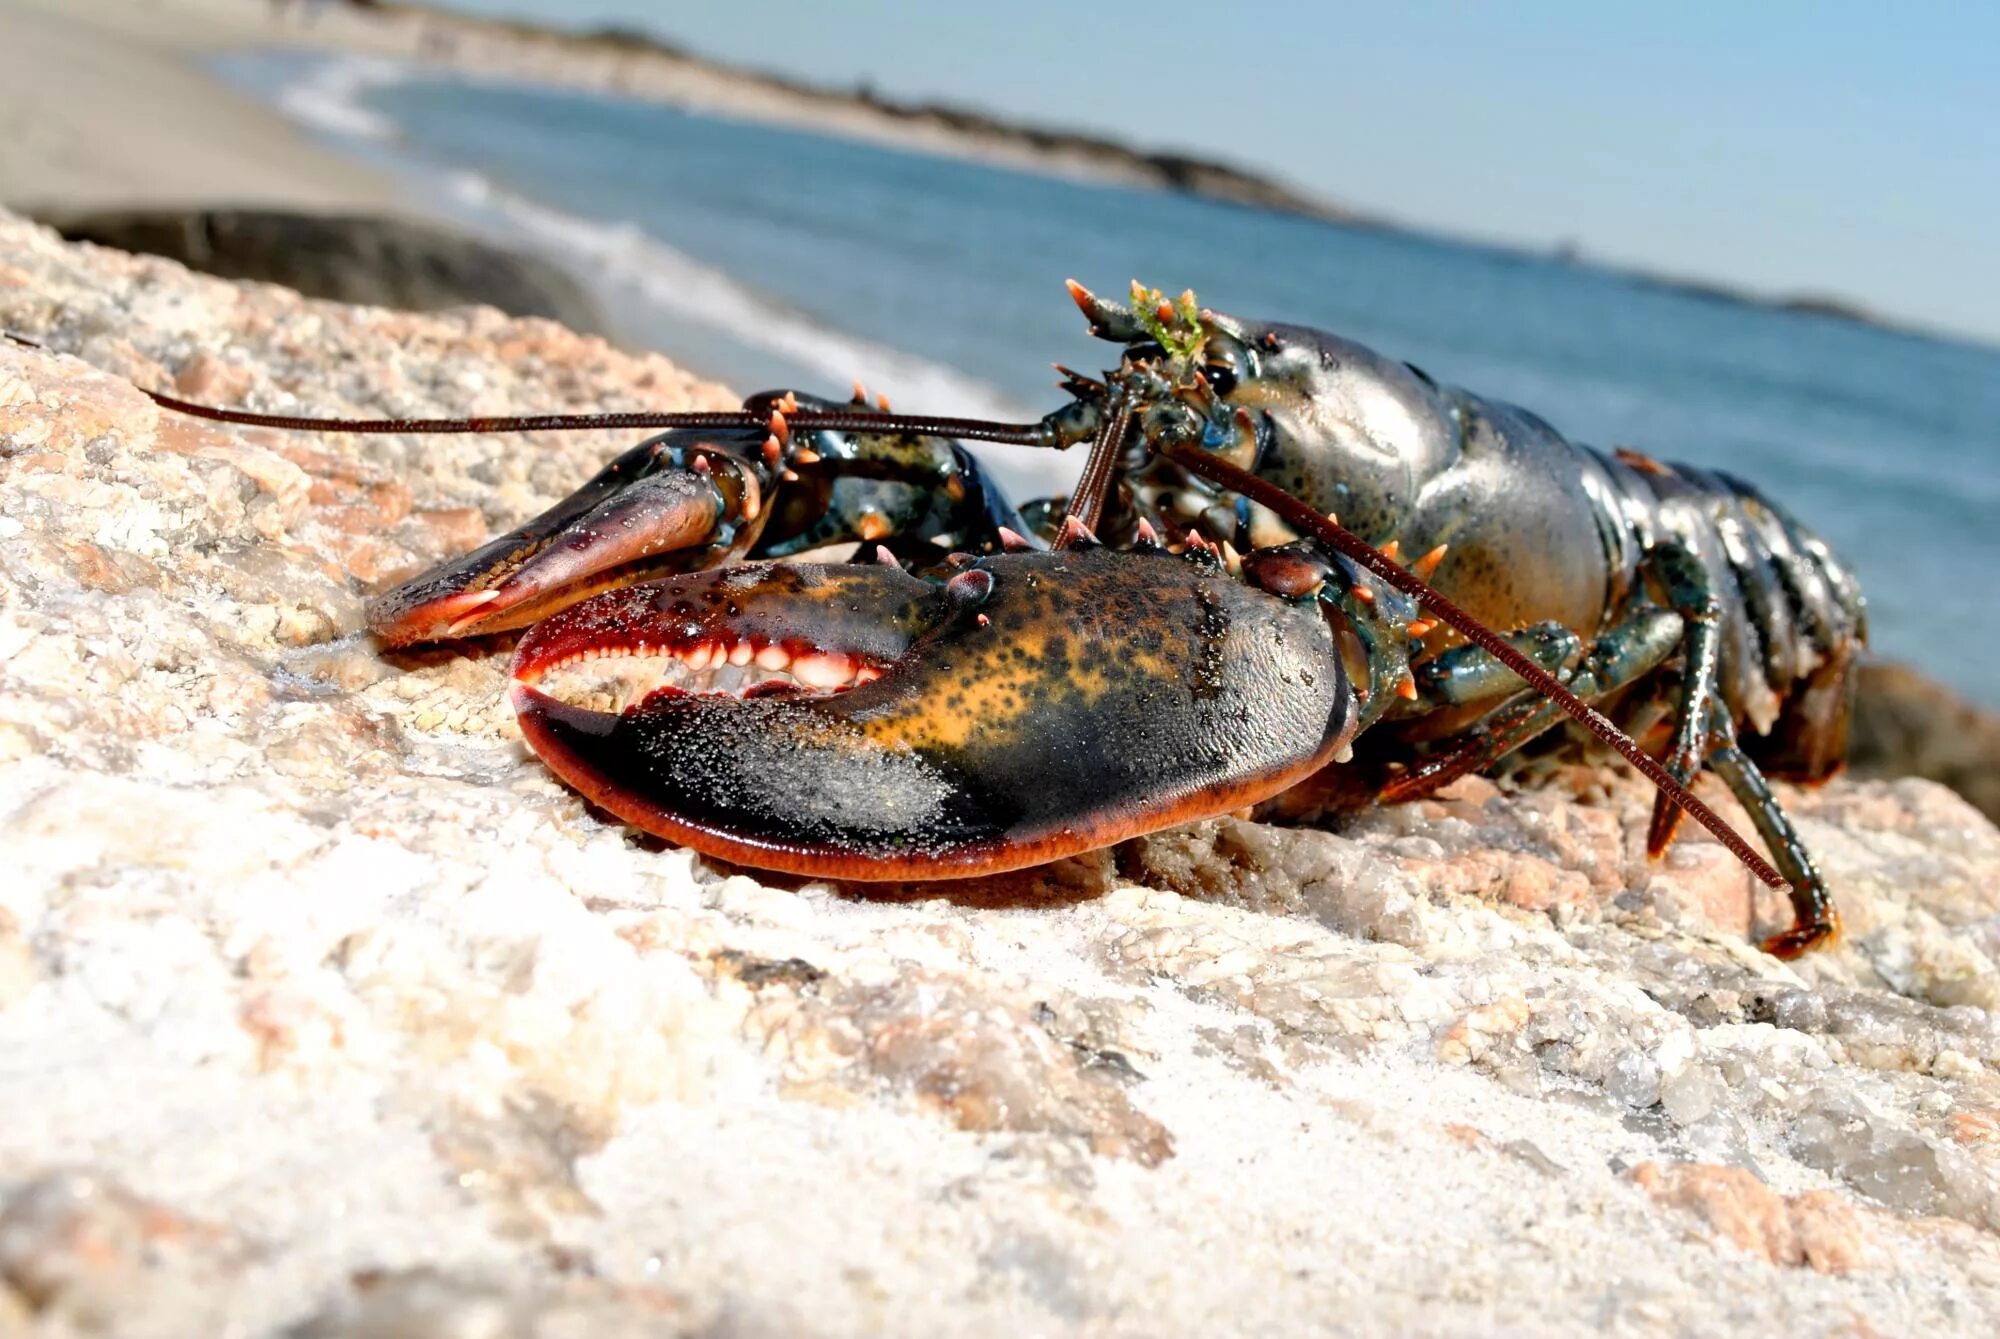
(1458, 677)
(1691, 594)
(1814, 919)
(1622, 656)
(1468, 674)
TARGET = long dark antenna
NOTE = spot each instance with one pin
(975, 429)
(1306, 520)
(971, 429)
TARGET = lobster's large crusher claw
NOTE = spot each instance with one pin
(863, 723)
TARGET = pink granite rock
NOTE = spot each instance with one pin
(359, 1020)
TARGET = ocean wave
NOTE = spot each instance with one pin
(624, 258)
(328, 95)
(630, 266)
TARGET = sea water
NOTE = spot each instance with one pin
(767, 256)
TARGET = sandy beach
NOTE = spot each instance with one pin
(103, 104)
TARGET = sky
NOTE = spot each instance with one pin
(1836, 148)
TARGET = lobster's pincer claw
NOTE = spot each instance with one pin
(645, 513)
(863, 723)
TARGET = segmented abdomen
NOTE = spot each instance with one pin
(1793, 618)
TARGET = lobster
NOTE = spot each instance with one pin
(1003, 687)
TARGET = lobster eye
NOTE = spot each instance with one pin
(1226, 362)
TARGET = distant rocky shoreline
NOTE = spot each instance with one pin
(978, 134)
(635, 63)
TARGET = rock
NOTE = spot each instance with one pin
(383, 261)
(1817, 1229)
(1908, 724)
(359, 1023)
(79, 1252)
(427, 1304)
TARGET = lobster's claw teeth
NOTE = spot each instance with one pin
(1033, 706)
(640, 516)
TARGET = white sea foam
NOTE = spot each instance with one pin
(622, 259)
(625, 263)
(625, 259)
(329, 95)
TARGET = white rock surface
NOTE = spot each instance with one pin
(325, 1010)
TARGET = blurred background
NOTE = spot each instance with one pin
(1750, 237)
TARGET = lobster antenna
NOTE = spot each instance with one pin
(972, 429)
(1361, 551)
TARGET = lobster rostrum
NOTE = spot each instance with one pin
(1001, 688)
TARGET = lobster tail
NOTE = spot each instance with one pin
(1807, 744)
(1804, 618)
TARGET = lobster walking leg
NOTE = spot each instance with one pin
(1622, 656)
(1467, 674)
(1691, 594)
(1814, 919)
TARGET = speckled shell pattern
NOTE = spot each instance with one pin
(1032, 706)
